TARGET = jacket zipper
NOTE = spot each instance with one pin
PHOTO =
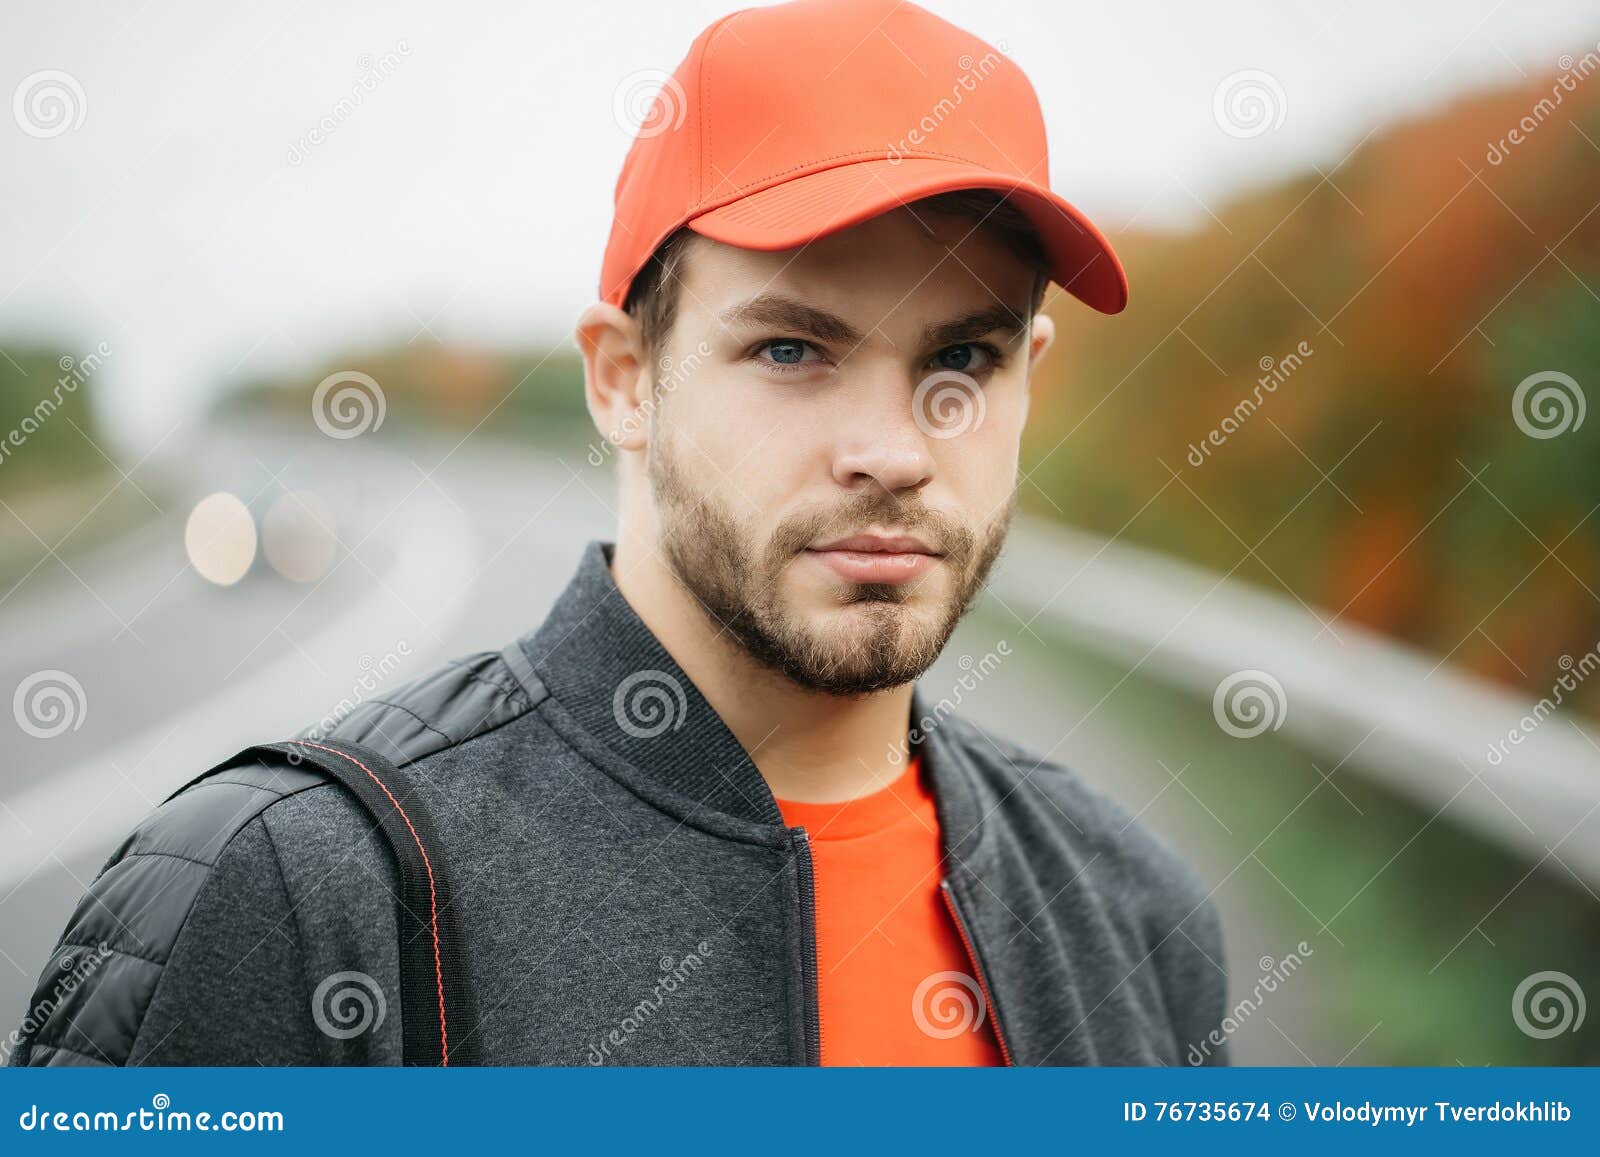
(808, 944)
(977, 968)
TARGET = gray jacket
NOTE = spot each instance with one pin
(627, 890)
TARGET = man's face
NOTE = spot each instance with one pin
(832, 454)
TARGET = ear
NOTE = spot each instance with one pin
(616, 374)
(1040, 337)
(1044, 334)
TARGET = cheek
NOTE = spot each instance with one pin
(740, 443)
(978, 478)
(980, 465)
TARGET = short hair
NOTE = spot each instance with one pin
(653, 297)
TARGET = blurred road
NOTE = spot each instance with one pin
(442, 551)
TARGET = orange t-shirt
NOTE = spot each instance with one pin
(895, 983)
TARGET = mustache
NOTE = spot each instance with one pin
(943, 532)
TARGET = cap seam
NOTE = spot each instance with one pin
(837, 161)
(706, 103)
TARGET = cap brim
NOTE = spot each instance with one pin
(800, 211)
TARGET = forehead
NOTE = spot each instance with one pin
(899, 270)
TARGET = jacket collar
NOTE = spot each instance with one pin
(606, 668)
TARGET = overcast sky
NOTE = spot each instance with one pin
(186, 222)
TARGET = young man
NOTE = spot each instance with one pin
(703, 815)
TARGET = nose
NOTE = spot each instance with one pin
(880, 440)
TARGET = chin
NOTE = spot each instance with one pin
(851, 649)
(831, 591)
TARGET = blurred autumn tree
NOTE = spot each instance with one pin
(536, 394)
(1383, 475)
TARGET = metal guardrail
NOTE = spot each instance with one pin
(1411, 723)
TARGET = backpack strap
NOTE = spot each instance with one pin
(434, 998)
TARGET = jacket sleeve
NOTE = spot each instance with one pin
(185, 949)
(1183, 929)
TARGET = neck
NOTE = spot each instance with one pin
(809, 746)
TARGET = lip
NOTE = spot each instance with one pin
(874, 543)
(877, 558)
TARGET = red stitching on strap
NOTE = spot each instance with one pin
(433, 895)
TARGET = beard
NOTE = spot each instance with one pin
(887, 637)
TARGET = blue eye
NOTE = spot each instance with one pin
(965, 358)
(787, 353)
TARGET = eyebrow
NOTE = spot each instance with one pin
(1003, 319)
(786, 313)
(795, 316)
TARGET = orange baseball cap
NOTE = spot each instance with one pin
(788, 123)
